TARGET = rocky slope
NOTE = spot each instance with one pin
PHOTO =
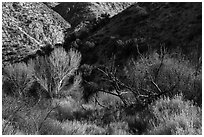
(152, 25)
(147, 25)
(77, 12)
(27, 26)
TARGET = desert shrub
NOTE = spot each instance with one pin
(17, 79)
(22, 116)
(54, 72)
(117, 128)
(138, 120)
(75, 89)
(79, 128)
(53, 127)
(101, 109)
(9, 129)
(53, 119)
(175, 116)
(171, 76)
(33, 118)
(108, 107)
(66, 108)
(166, 116)
(109, 100)
(71, 109)
(10, 106)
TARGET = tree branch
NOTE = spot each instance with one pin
(157, 87)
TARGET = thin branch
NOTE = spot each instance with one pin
(157, 73)
(100, 104)
(36, 125)
(102, 90)
(40, 82)
(102, 71)
(157, 87)
(46, 117)
(137, 46)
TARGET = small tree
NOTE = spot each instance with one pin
(53, 72)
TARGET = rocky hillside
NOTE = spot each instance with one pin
(147, 25)
(27, 26)
(77, 12)
(150, 25)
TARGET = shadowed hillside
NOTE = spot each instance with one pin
(150, 25)
(77, 12)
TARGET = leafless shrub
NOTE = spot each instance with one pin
(53, 72)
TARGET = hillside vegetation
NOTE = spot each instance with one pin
(150, 25)
(132, 69)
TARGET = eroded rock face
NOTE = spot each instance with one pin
(27, 26)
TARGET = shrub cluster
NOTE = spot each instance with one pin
(55, 76)
(170, 75)
(175, 117)
(155, 94)
(17, 79)
(53, 73)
